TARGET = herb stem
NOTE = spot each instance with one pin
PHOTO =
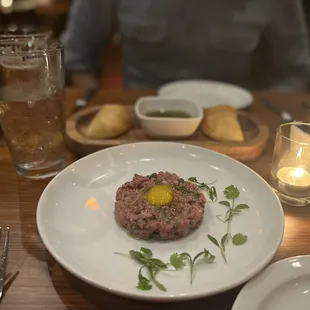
(192, 270)
(211, 191)
(224, 255)
(153, 279)
(229, 220)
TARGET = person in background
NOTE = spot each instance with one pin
(251, 43)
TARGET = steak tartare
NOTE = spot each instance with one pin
(161, 206)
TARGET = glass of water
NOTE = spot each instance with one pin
(32, 104)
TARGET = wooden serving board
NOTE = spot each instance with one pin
(256, 136)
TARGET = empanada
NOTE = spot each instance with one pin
(221, 123)
(111, 121)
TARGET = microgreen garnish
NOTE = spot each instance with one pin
(205, 186)
(220, 246)
(231, 193)
(239, 239)
(178, 261)
(154, 265)
(144, 283)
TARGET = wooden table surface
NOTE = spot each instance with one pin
(43, 284)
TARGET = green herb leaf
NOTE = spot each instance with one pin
(242, 206)
(177, 261)
(225, 203)
(203, 186)
(144, 283)
(235, 211)
(185, 255)
(157, 262)
(214, 241)
(208, 256)
(193, 179)
(212, 193)
(197, 256)
(224, 240)
(146, 252)
(239, 239)
(231, 192)
(137, 256)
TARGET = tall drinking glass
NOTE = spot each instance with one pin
(31, 104)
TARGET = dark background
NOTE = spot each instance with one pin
(54, 15)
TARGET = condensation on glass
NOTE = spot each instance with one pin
(32, 102)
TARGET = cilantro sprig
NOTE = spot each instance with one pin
(231, 193)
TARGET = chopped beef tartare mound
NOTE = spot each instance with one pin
(174, 220)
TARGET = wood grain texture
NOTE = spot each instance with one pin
(43, 284)
(256, 136)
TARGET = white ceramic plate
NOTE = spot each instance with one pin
(284, 285)
(208, 93)
(84, 240)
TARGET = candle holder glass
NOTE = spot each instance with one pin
(290, 171)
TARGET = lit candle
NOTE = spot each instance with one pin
(294, 176)
(293, 182)
(290, 169)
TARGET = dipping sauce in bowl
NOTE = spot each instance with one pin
(170, 114)
(168, 118)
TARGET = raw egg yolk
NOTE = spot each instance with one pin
(160, 195)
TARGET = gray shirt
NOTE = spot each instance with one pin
(252, 43)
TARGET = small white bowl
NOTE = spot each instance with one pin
(168, 127)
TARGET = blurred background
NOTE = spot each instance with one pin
(53, 14)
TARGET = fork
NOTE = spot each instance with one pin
(4, 258)
(285, 116)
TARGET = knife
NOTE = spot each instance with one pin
(81, 103)
(286, 116)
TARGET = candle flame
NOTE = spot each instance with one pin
(297, 173)
(295, 176)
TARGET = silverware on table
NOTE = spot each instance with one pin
(81, 103)
(4, 258)
(285, 116)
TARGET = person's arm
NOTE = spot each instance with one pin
(287, 41)
(89, 28)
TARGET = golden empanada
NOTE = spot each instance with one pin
(221, 123)
(111, 121)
